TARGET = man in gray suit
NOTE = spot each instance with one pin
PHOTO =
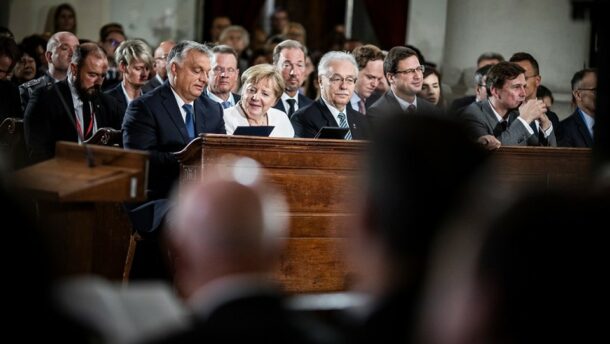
(405, 74)
(506, 114)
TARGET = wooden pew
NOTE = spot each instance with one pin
(318, 176)
(79, 206)
(12, 142)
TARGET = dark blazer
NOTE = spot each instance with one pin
(236, 97)
(151, 85)
(387, 105)
(46, 121)
(117, 93)
(574, 132)
(255, 318)
(303, 102)
(459, 104)
(10, 103)
(154, 123)
(481, 120)
(307, 121)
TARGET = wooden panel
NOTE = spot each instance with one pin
(318, 177)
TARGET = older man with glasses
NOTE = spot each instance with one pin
(159, 66)
(337, 75)
(405, 74)
(223, 76)
(577, 129)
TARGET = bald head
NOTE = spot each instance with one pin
(60, 48)
(223, 227)
(160, 57)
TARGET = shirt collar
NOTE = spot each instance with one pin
(404, 105)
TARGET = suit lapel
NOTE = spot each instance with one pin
(330, 120)
(394, 105)
(583, 130)
(200, 110)
(280, 105)
(171, 107)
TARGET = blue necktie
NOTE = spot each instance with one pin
(188, 121)
(226, 105)
(343, 124)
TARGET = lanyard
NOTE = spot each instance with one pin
(90, 127)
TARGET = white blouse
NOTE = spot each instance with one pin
(235, 117)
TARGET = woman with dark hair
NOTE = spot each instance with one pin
(64, 19)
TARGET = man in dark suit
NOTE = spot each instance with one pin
(480, 91)
(370, 74)
(49, 121)
(337, 74)
(577, 129)
(533, 80)
(159, 123)
(162, 122)
(506, 114)
(289, 59)
(405, 74)
(134, 60)
(223, 76)
(159, 65)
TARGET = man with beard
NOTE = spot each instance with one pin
(72, 109)
(289, 59)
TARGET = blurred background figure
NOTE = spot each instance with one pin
(408, 199)
(223, 257)
(577, 129)
(489, 58)
(218, 25)
(25, 68)
(431, 87)
(159, 65)
(111, 36)
(64, 18)
(545, 94)
(295, 31)
(531, 283)
(279, 20)
(237, 38)
(480, 91)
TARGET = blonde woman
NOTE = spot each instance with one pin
(262, 87)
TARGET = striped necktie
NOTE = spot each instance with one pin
(343, 124)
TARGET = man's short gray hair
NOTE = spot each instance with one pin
(180, 50)
(287, 44)
(334, 56)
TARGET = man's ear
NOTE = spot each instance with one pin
(122, 67)
(49, 56)
(73, 69)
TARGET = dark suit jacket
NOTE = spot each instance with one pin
(307, 121)
(117, 93)
(574, 132)
(459, 104)
(154, 123)
(481, 120)
(387, 105)
(258, 318)
(303, 102)
(46, 121)
(151, 85)
(10, 103)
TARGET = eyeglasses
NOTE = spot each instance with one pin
(531, 76)
(594, 89)
(228, 71)
(115, 43)
(419, 68)
(162, 58)
(337, 80)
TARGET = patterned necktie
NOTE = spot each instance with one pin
(361, 107)
(188, 121)
(291, 102)
(411, 108)
(226, 105)
(343, 124)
